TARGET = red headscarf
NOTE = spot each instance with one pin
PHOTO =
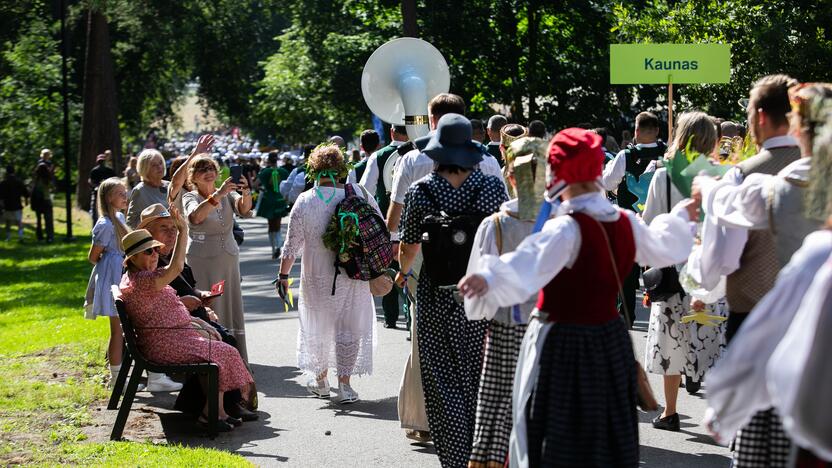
(575, 156)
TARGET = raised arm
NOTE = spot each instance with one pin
(198, 215)
(177, 181)
(177, 261)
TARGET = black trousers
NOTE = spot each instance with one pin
(46, 213)
(390, 302)
(732, 325)
(629, 287)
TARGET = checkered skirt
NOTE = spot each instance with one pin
(762, 443)
(493, 423)
(583, 409)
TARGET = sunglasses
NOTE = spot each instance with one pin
(151, 251)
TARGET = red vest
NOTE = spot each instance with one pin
(586, 293)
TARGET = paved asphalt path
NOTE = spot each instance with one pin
(298, 430)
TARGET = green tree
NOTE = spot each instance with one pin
(773, 36)
(30, 96)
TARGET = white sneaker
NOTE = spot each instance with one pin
(161, 383)
(318, 388)
(346, 394)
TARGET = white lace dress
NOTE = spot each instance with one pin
(336, 331)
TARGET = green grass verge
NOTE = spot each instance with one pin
(52, 365)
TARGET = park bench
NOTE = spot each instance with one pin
(134, 357)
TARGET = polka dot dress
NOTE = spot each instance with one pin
(450, 346)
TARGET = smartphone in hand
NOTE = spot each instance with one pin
(236, 173)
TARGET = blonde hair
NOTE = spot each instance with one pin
(45, 151)
(326, 157)
(107, 210)
(199, 164)
(146, 157)
(695, 127)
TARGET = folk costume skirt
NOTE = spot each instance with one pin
(450, 353)
(762, 442)
(494, 407)
(583, 408)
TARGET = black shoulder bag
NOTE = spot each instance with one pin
(662, 284)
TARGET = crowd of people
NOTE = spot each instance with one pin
(520, 307)
(515, 260)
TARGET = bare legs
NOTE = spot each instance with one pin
(221, 414)
(671, 393)
(115, 348)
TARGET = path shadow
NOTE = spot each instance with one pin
(183, 429)
(657, 457)
(278, 381)
(385, 409)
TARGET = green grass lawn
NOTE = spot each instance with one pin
(52, 364)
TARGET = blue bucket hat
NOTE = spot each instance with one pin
(452, 144)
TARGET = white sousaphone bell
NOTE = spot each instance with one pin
(399, 80)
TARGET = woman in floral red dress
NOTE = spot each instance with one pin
(172, 335)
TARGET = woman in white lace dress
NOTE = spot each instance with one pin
(337, 331)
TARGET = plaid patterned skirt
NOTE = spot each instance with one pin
(583, 409)
(762, 443)
(493, 423)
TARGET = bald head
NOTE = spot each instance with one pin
(338, 141)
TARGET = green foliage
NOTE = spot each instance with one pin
(292, 69)
(30, 97)
(766, 37)
(312, 85)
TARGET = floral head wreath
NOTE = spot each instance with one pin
(333, 173)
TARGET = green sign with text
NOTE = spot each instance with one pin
(670, 63)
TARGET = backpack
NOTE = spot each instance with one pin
(447, 240)
(359, 237)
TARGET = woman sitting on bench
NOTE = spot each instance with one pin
(166, 332)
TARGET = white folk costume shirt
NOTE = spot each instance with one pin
(514, 277)
(798, 372)
(372, 172)
(737, 383)
(733, 205)
(414, 165)
(485, 243)
(615, 170)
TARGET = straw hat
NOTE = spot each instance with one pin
(138, 241)
(152, 213)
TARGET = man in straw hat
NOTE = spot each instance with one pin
(156, 219)
(577, 262)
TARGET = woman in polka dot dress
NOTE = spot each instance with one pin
(450, 346)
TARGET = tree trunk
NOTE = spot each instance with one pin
(409, 18)
(99, 125)
(531, 63)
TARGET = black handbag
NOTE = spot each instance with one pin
(662, 284)
(238, 233)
